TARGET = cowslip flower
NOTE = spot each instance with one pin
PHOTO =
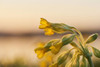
(51, 28)
(40, 52)
(46, 26)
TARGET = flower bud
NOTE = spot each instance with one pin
(68, 39)
(96, 52)
(91, 38)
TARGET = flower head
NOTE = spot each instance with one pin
(46, 26)
(51, 28)
(40, 52)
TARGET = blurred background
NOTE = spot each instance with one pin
(19, 21)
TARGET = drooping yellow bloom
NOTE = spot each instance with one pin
(48, 31)
(51, 28)
(46, 26)
(40, 52)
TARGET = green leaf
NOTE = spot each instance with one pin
(96, 52)
(68, 39)
(62, 58)
(91, 38)
(83, 62)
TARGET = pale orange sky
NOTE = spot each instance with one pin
(22, 16)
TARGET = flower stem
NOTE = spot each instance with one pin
(90, 61)
(81, 36)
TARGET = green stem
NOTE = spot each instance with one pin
(90, 61)
(81, 36)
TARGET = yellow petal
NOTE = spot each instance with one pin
(40, 55)
(43, 21)
(43, 26)
(40, 52)
(52, 47)
(49, 31)
(56, 48)
(37, 51)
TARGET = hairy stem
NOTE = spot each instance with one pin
(90, 61)
(81, 36)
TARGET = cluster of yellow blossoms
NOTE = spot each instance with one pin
(55, 45)
(46, 26)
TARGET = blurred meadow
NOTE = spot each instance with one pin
(20, 35)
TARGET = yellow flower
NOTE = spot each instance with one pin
(48, 31)
(44, 23)
(46, 26)
(40, 52)
(56, 48)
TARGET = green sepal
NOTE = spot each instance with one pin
(96, 52)
(60, 27)
(68, 39)
(83, 62)
(62, 58)
(91, 38)
(50, 43)
(76, 61)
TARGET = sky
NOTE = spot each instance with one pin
(23, 16)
